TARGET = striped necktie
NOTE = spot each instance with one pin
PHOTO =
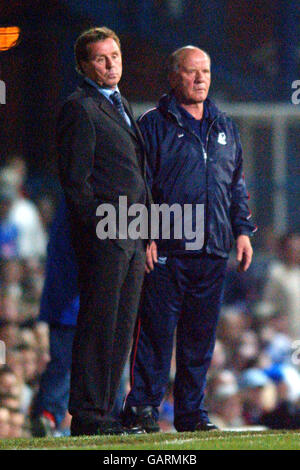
(116, 99)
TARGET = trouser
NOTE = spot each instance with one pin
(53, 394)
(110, 280)
(185, 293)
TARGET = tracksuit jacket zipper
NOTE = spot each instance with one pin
(204, 151)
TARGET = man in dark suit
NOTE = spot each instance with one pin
(101, 157)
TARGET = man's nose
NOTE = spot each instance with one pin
(109, 63)
(198, 76)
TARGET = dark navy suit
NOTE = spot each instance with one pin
(100, 158)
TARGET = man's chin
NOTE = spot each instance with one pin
(200, 96)
(108, 83)
(197, 99)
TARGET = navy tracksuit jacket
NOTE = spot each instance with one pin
(194, 164)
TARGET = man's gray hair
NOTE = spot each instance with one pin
(174, 58)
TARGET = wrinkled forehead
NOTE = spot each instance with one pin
(102, 46)
(193, 56)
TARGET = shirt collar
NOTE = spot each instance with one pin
(168, 103)
(107, 92)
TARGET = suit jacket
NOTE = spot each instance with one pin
(100, 156)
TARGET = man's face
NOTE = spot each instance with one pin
(104, 65)
(191, 81)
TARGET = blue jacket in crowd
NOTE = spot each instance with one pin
(60, 297)
(184, 168)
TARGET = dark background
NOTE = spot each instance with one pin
(254, 47)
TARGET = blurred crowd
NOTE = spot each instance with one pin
(24, 226)
(254, 378)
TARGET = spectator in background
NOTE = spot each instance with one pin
(16, 364)
(10, 401)
(23, 213)
(24, 355)
(227, 409)
(232, 324)
(217, 379)
(265, 255)
(8, 382)
(282, 289)
(19, 291)
(17, 422)
(59, 308)
(4, 422)
(276, 359)
(258, 395)
(9, 333)
(10, 290)
(286, 412)
(29, 365)
(239, 291)
(8, 229)
(247, 352)
(219, 358)
(12, 418)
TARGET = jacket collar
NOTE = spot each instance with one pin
(109, 109)
(169, 104)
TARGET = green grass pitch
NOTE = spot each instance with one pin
(213, 440)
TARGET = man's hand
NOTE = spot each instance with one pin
(244, 252)
(151, 257)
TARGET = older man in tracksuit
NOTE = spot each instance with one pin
(194, 157)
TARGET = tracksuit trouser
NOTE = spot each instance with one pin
(182, 294)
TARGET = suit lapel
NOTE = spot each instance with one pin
(134, 124)
(108, 108)
(112, 112)
(138, 135)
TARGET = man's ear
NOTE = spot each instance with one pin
(83, 66)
